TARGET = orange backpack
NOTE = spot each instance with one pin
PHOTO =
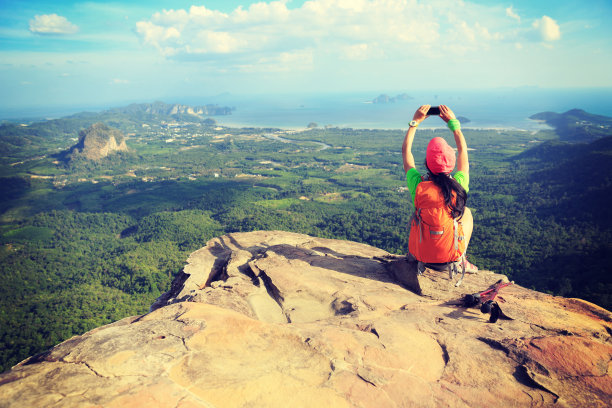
(435, 237)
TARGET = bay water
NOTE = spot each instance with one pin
(498, 108)
(507, 108)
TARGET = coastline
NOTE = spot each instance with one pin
(507, 109)
(292, 128)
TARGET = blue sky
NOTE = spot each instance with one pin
(92, 53)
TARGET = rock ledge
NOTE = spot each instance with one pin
(273, 318)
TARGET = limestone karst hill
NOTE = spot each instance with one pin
(98, 141)
(277, 319)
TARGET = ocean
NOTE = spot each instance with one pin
(507, 108)
(500, 108)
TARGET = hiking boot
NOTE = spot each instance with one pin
(469, 268)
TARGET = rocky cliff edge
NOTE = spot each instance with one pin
(277, 319)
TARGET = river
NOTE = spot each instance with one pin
(274, 136)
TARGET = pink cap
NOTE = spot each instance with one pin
(440, 157)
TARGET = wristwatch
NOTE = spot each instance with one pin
(413, 123)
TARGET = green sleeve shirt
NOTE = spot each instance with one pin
(413, 178)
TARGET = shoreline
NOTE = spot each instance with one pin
(539, 126)
(289, 128)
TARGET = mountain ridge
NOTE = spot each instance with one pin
(175, 110)
(16, 137)
(576, 124)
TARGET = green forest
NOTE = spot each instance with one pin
(85, 243)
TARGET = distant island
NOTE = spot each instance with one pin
(160, 111)
(382, 98)
(174, 110)
(576, 125)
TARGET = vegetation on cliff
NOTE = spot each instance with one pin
(577, 125)
(98, 141)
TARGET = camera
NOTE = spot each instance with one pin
(434, 110)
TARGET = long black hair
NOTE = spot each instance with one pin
(447, 185)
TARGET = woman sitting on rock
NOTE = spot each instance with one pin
(442, 225)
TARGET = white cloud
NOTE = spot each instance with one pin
(358, 52)
(52, 24)
(117, 81)
(301, 60)
(358, 30)
(547, 28)
(512, 14)
(474, 33)
(220, 42)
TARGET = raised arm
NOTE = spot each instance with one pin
(419, 116)
(462, 154)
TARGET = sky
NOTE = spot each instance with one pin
(94, 53)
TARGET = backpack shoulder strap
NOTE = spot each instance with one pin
(460, 263)
(456, 234)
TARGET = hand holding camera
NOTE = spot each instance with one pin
(446, 113)
(443, 111)
(421, 114)
(424, 111)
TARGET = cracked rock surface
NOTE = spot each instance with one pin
(277, 319)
